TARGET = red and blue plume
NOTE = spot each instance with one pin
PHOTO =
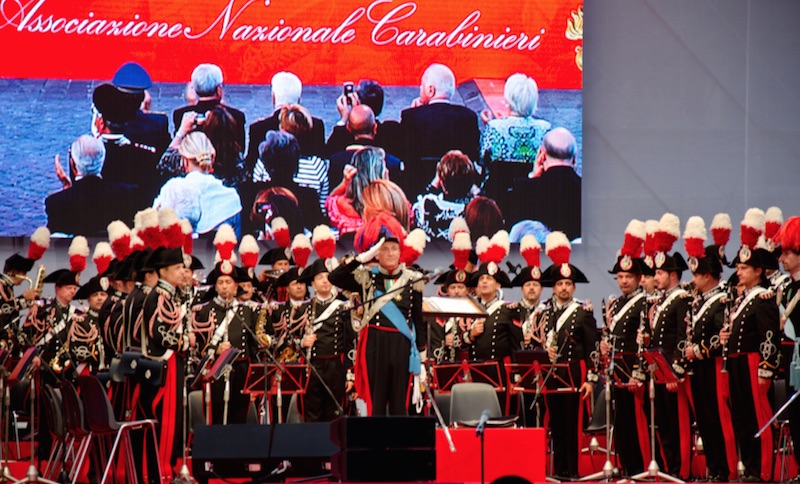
(225, 241)
(457, 226)
(102, 256)
(301, 250)
(40, 242)
(650, 229)
(633, 241)
(557, 248)
(120, 237)
(170, 226)
(788, 237)
(752, 227)
(146, 224)
(530, 250)
(462, 246)
(669, 231)
(323, 241)
(413, 246)
(78, 253)
(496, 249)
(280, 232)
(694, 237)
(773, 220)
(721, 229)
(188, 241)
(248, 251)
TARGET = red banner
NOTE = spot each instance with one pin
(323, 41)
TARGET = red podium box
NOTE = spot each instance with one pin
(508, 451)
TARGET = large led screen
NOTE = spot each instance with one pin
(328, 112)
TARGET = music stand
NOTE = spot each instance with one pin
(294, 376)
(447, 375)
(220, 369)
(660, 369)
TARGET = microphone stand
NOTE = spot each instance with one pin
(271, 356)
(608, 470)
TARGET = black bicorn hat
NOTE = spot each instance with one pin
(530, 250)
(95, 284)
(275, 255)
(629, 258)
(63, 277)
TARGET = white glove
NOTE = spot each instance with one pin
(423, 373)
(370, 253)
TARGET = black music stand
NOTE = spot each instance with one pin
(660, 369)
(221, 369)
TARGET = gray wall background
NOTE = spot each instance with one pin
(690, 106)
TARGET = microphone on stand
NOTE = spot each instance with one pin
(482, 423)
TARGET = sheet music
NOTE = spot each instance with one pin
(458, 305)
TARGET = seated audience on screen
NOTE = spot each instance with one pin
(207, 86)
(312, 170)
(361, 123)
(221, 128)
(146, 127)
(286, 89)
(367, 93)
(216, 203)
(89, 204)
(277, 166)
(554, 179)
(483, 217)
(434, 125)
(276, 202)
(386, 196)
(346, 204)
(517, 137)
(449, 193)
(126, 162)
(510, 144)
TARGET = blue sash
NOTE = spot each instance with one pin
(393, 314)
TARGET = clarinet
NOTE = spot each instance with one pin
(727, 318)
(640, 349)
(688, 343)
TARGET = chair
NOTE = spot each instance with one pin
(74, 424)
(784, 447)
(469, 400)
(597, 426)
(101, 422)
(55, 421)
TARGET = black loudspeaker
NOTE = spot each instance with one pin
(384, 448)
(244, 450)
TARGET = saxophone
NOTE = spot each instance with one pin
(61, 360)
(264, 339)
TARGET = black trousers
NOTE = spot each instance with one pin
(743, 414)
(706, 408)
(563, 409)
(319, 406)
(626, 433)
(387, 355)
(669, 431)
